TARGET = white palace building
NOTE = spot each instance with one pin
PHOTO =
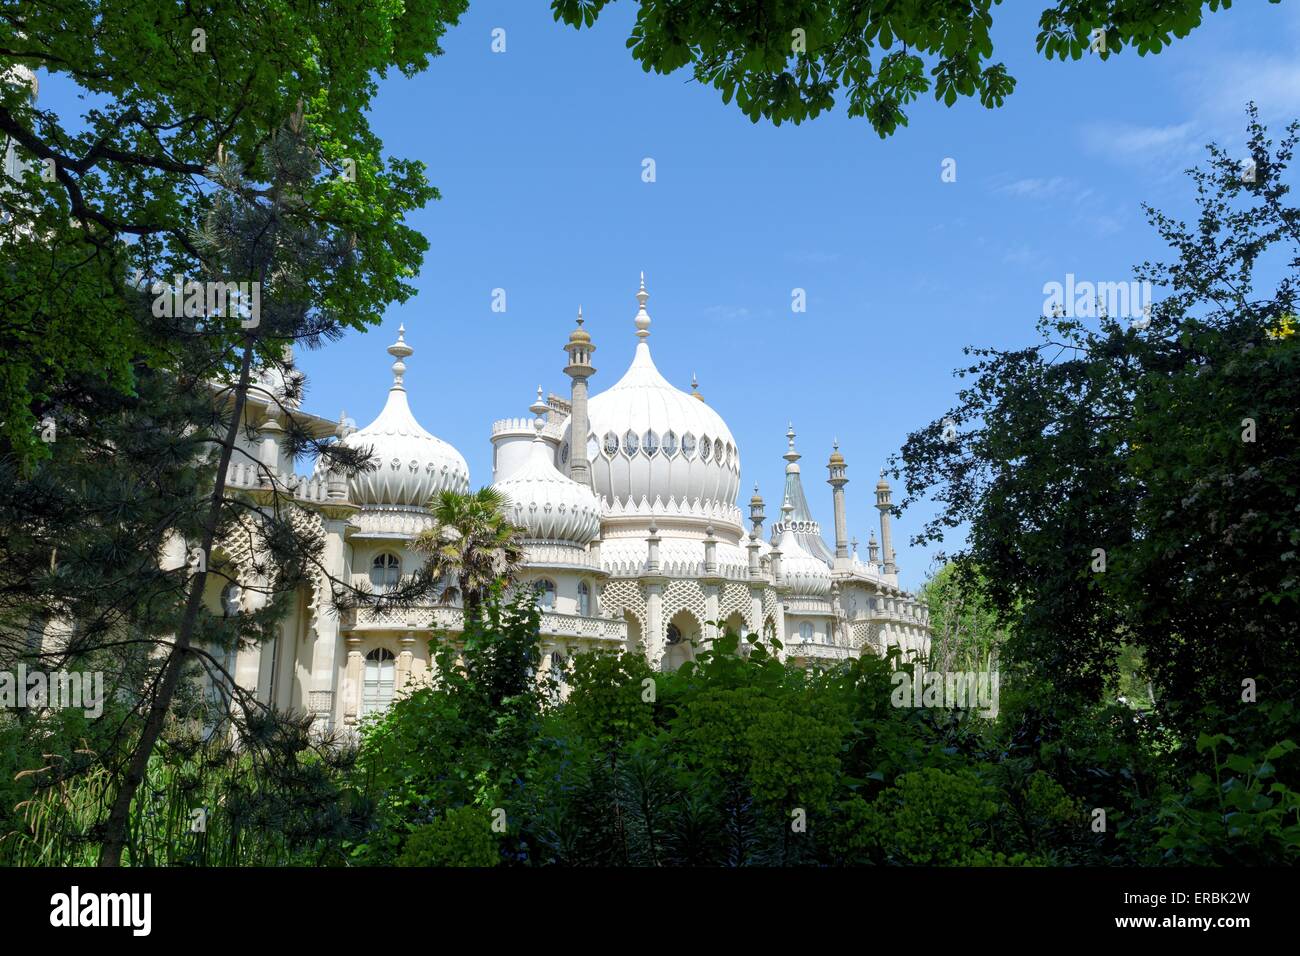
(634, 537)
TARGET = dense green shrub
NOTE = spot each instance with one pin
(460, 837)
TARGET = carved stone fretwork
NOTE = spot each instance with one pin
(735, 599)
(685, 596)
(619, 597)
(865, 636)
(250, 564)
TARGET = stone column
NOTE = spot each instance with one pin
(402, 673)
(352, 682)
(322, 684)
(712, 589)
(654, 624)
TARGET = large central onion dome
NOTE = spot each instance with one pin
(412, 465)
(549, 506)
(648, 440)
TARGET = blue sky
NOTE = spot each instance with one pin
(538, 153)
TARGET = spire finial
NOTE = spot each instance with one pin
(579, 316)
(399, 350)
(539, 408)
(642, 316)
(790, 455)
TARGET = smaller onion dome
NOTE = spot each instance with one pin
(805, 575)
(548, 505)
(580, 335)
(836, 457)
(411, 465)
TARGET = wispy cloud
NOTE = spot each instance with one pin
(1227, 84)
(1042, 189)
(726, 312)
(1170, 147)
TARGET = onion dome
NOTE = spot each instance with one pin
(805, 575)
(580, 335)
(648, 440)
(548, 505)
(836, 458)
(411, 466)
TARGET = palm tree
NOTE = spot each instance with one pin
(471, 541)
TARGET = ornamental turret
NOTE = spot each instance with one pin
(884, 504)
(579, 370)
(837, 480)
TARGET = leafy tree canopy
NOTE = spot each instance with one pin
(786, 60)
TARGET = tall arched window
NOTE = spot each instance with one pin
(584, 599)
(380, 679)
(545, 594)
(386, 571)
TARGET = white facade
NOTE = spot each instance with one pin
(644, 551)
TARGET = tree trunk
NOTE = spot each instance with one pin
(117, 825)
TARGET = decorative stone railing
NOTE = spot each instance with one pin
(312, 488)
(449, 618)
(832, 652)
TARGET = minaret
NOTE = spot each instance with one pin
(873, 549)
(837, 480)
(756, 515)
(886, 539)
(580, 369)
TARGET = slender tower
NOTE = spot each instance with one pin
(886, 538)
(837, 480)
(579, 369)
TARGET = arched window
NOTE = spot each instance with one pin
(380, 679)
(545, 593)
(706, 448)
(650, 442)
(386, 571)
(674, 634)
(611, 444)
(564, 453)
(670, 443)
(688, 446)
(231, 600)
(631, 443)
(584, 599)
(806, 631)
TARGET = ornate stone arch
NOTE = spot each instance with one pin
(623, 596)
(684, 594)
(735, 600)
